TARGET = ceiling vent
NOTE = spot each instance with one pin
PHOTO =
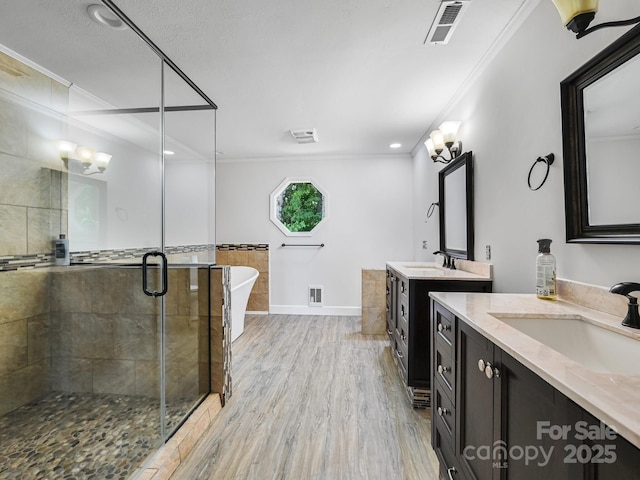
(447, 18)
(305, 135)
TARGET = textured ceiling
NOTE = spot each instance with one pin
(355, 70)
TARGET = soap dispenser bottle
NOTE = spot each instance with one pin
(545, 271)
(61, 250)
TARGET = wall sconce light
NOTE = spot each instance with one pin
(80, 159)
(444, 138)
(577, 15)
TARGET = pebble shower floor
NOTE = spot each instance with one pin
(74, 436)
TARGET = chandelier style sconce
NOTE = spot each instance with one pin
(577, 15)
(79, 159)
(444, 139)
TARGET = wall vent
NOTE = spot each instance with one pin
(447, 18)
(315, 295)
(305, 135)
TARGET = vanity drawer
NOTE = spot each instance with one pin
(445, 372)
(444, 332)
(443, 414)
(402, 332)
(449, 467)
(400, 351)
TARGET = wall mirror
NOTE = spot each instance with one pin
(601, 141)
(298, 206)
(456, 207)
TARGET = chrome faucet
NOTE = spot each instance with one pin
(633, 318)
(448, 259)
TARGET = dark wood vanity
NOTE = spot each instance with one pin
(409, 321)
(495, 419)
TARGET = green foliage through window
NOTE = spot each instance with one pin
(301, 207)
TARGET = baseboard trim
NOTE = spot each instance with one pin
(306, 310)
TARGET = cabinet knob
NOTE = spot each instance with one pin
(400, 355)
(389, 332)
(403, 337)
(442, 369)
(443, 328)
(481, 365)
(490, 371)
(442, 411)
(450, 472)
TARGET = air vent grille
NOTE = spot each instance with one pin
(315, 295)
(447, 18)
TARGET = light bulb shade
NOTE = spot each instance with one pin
(430, 148)
(438, 141)
(102, 160)
(65, 148)
(449, 132)
(85, 155)
(570, 9)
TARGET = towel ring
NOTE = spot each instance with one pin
(548, 160)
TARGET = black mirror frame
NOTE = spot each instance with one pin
(578, 229)
(464, 160)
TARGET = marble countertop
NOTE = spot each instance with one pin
(613, 398)
(433, 271)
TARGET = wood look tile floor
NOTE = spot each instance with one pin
(315, 399)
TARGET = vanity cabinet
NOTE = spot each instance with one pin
(409, 326)
(494, 419)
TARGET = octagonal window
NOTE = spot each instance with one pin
(298, 206)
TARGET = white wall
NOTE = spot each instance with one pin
(369, 223)
(511, 115)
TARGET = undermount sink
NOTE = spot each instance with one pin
(424, 269)
(584, 342)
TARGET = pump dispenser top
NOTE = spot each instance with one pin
(545, 271)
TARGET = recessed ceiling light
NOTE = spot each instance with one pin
(102, 15)
(169, 152)
(395, 145)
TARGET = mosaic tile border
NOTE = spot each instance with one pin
(242, 247)
(18, 262)
(40, 260)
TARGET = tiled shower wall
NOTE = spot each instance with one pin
(24, 339)
(61, 329)
(33, 200)
(105, 333)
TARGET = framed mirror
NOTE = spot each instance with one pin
(601, 141)
(456, 207)
(298, 206)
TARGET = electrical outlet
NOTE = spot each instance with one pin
(488, 252)
(424, 245)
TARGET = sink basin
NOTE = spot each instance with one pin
(582, 341)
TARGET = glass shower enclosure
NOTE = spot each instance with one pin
(128, 148)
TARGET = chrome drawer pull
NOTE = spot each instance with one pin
(451, 471)
(442, 369)
(389, 332)
(400, 355)
(442, 411)
(443, 328)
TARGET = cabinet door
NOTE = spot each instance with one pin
(533, 415)
(475, 405)
(606, 455)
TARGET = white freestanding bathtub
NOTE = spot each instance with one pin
(242, 280)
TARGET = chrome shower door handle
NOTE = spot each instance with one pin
(165, 276)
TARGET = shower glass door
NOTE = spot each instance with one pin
(189, 168)
(115, 231)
